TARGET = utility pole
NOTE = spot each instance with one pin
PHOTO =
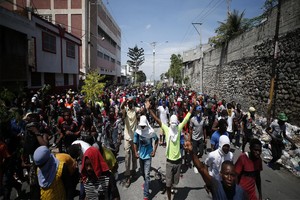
(200, 51)
(228, 6)
(199, 32)
(273, 84)
(153, 45)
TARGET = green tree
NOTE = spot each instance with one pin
(232, 27)
(175, 68)
(93, 86)
(162, 76)
(137, 58)
(140, 76)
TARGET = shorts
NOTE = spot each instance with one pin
(172, 172)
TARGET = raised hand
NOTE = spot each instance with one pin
(147, 104)
(188, 145)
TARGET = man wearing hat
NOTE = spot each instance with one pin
(248, 122)
(277, 131)
(143, 148)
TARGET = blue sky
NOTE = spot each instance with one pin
(170, 20)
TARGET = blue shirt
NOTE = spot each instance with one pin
(145, 147)
(219, 192)
(215, 139)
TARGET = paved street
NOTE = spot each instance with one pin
(278, 184)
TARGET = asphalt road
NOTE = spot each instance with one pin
(276, 184)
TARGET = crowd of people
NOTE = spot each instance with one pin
(59, 141)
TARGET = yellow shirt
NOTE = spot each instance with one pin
(56, 191)
(109, 158)
(68, 160)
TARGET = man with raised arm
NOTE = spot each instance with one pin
(173, 155)
(225, 188)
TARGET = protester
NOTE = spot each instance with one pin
(224, 188)
(73, 172)
(214, 140)
(173, 154)
(68, 130)
(248, 167)
(143, 147)
(130, 120)
(237, 120)
(218, 156)
(248, 123)
(230, 112)
(98, 181)
(277, 131)
(164, 116)
(52, 175)
(198, 132)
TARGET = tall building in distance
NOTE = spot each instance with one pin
(90, 21)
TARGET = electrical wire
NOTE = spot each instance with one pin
(212, 10)
(203, 10)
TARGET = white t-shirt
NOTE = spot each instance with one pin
(84, 145)
(163, 112)
(230, 122)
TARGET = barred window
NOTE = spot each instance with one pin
(49, 42)
(70, 49)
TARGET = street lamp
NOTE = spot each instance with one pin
(153, 45)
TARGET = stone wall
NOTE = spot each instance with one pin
(242, 71)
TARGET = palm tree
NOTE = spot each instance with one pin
(232, 27)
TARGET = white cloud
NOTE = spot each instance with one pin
(148, 26)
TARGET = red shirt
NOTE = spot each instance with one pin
(248, 169)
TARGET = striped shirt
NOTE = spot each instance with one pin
(103, 188)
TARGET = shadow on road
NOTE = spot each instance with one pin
(182, 193)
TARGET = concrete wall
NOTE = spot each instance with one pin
(242, 72)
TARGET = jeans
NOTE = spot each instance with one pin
(237, 138)
(198, 146)
(145, 166)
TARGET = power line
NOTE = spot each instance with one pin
(201, 12)
(212, 9)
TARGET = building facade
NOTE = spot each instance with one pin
(35, 52)
(88, 20)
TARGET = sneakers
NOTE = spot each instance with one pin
(127, 183)
(145, 198)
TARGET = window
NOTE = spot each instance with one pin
(49, 42)
(99, 54)
(106, 57)
(70, 49)
(112, 60)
